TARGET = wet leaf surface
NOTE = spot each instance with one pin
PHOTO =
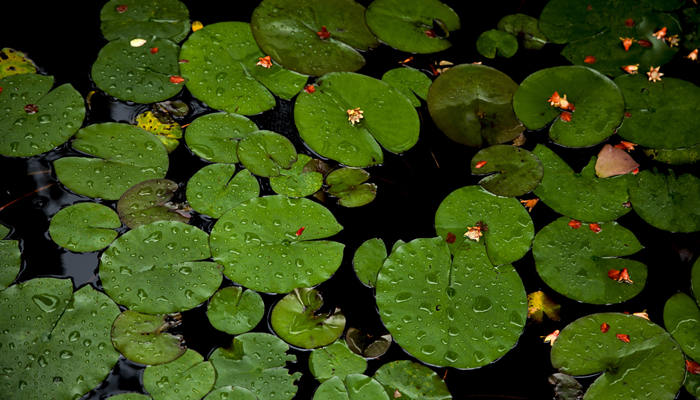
(84, 227)
(348, 185)
(297, 318)
(150, 201)
(127, 19)
(217, 188)
(144, 339)
(234, 310)
(215, 137)
(413, 83)
(682, 320)
(299, 180)
(368, 260)
(188, 377)
(266, 153)
(353, 387)
(10, 258)
(412, 380)
(667, 202)
(497, 42)
(335, 359)
(511, 171)
(525, 28)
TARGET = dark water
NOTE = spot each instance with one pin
(64, 37)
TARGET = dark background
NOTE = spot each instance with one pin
(63, 38)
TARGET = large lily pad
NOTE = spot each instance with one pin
(269, 244)
(287, 30)
(129, 19)
(525, 28)
(511, 171)
(575, 261)
(10, 258)
(234, 311)
(217, 188)
(348, 185)
(650, 365)
(266, 153)
(352, 387)
(189, 377)
(28, 131)
(471, 104)
(509, 230)
(84, 227)
(149, 201)
(408, 25)
(682, 321)
(583, 195)
(124, 155)
(144, 339)
(413, 83)
(223, 71)
(368, 260)
(388, 120)
(462, 313)
(55, 342)
(335, 360)
(214, 137)
(667, 202)
(165, 256)
(257, 362)
(413, 381)
(494, 41)
(301, 180)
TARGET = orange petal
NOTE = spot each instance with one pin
(613, 161)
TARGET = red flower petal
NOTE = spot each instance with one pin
(575, 224)
(183, 61)
(692, 367)
(480, 164)
(176, 79)
(644, 43)
(589, 60)
(309, 89)
(323, 33)
(594, 227)
(565, 116)
(430, 33)
(122, 8)
(154, 50)
(450, 237)
(31, 109)
(623, 337)
(300, 231)
(604, 327)
(629, 22)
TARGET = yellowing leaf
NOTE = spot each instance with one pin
(168, 133)
(538, 304)
(13, 62)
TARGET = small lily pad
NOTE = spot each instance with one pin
(299, 180)
(367, 345)
(408, 25)
(348, 185)
(149, 201)
(695, 280)
(215, 137)
(168, 132)
(234, 311)
(144, 339)
(124, 155)
(576, 261)
(525, 28)
(368, 260)
(352, 387)
(686, 155)
(217, 188)
(496, 41)
(266, 153)
(472, 105)
(413, 83)
(84, 227)
(682, 321)
(511, 171)
(13, 62)
(128, 19)
(10, 258)
(412, 381)
(55, 116)
(188, 377)
(335, 360)
(231, 392)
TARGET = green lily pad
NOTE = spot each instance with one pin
(257, 362)
(130, 396)
(348, 185)
(407, 25)
(10, 258)
(352, 387)
(144, 339)
(511, 171)
(667, 202)
(413, 381)
(55, 342)
(231, 392)
(124, 155)
(188, 377)
(411, 82)
(13, 62)
(298, 181)
(368, 345)
(215, 137)
(368, 260)
(266, 153)
(525, 28)
(234, 311)
(598, 101)
(651, 364)
(695, 280)
(84, 227)
(583, 195)
(687, 155)
(269, 244)
(653, 107)
(692, 384)
(138, 74)
(495, 41)
(575, 261)
(335, 360)
(165, 256)
(223, 71)
(128, 19)
(509, 229)
(217, 188)
(440, 310)
(682, 321)
(35, 118)
(471, 104)
(388, 120)
(149, 201)
(297, 320)
(287, 30)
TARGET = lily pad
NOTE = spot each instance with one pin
(509, 230)
(687, 155)
(525, 28)
(138, 74)
(217, 188)
(13, 62)
(368, 260)
(168, 132)
(84, 227)
(352, 387)
(335, 360)
(651, 363)
(124, 155)
(288, 30)
(215, 137)
(165, 256)
(128, 19)
(388, 119)
(682, 321)
(511, 171)
(494, 42)
(223, 70)
(35, 118)
(234, 311)
(10, 258)
(653, 108)
(368, 345)
(582, 196)
(280, 251)
(408, 25)
(297, 319)
(411, 82)
(472, 105)
(695, 280)
(130, 396)
(439, 310)
(667, 202)
(412, 381)
(149, 201)
(298, 181)
(599, 105)
(257, 362)
(66, 334)
(692, 385)
(231, 392)
(144, 339)
(188, 377)
(266, 153)
(348, 185)
(576, 261)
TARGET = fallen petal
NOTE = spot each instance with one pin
(614, 161)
